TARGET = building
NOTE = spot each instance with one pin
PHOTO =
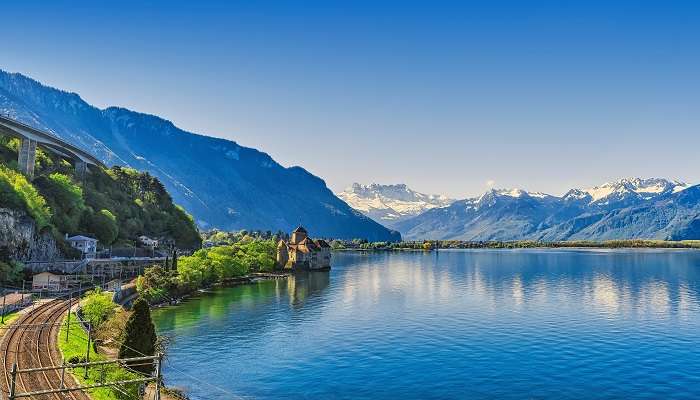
(303, 253)
(148, 242)
(86, 245)
(52, 281)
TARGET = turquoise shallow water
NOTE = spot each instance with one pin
(512, 324)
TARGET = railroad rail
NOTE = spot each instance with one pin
(30, 344)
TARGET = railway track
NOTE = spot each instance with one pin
(31, 343)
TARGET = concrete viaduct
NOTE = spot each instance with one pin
(32, 137)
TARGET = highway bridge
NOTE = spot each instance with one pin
(31, 138)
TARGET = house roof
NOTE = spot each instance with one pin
(52, 272)
(300, 229)
(81, 238)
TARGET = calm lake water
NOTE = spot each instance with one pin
(513, 324)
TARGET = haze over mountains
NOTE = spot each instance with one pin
(221, 183)
(390, 204)
(626, 209)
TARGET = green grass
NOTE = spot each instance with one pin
(11, 317)
(76, 347)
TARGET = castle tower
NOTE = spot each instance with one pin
(282, 254)
(298, 235)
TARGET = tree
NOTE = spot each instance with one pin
(139, 338)
(98, 307)
(10, 271)
(104, 226)
(174, 262)
(65, 198)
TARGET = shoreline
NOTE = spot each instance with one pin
(520, 248)
(229, 282)
(541, 246)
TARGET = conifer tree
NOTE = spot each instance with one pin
(174, 262)
(139, 336)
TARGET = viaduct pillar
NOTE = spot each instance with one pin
(81, 169)
(27, 157)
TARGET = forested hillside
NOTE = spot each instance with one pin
(114, 205)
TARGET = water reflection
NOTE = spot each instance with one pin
(304, 285)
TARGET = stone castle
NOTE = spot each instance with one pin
(303, 253)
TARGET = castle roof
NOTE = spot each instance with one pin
(322, 243)
(300, 229)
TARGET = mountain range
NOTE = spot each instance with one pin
(630, 208)
(390, 204)
(222, 184)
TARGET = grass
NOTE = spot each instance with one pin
(11, 317)
(75, 348)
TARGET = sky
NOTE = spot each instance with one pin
(447, 97)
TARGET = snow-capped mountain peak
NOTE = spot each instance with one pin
(388, 204)
(633, 187)
(624, 209)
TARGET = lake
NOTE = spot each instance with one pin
(477, 324)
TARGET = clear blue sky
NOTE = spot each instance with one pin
(443, 96)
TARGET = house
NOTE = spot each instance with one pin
(148, 242)
(86, 245)
(52, 281)
(303, 253)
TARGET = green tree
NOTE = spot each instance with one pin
(104, 226)
(65, 198)
(33, 202)
(98, 307)
(139, 336)
(11, 271)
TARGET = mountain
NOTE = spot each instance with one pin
(390, 204)
(625, 209)
(222, 184)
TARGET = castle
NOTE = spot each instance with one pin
(302, 253)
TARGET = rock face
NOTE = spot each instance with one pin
(391, 204)
(222, 184)
(626, 209)
(19, 237)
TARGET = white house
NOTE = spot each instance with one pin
(52, 281)
(148, 242)
(86, 245)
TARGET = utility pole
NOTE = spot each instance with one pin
(13, 381)
(4, 297)
(70, 306)
(87, 352)
(63, 371)
(159, 363)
